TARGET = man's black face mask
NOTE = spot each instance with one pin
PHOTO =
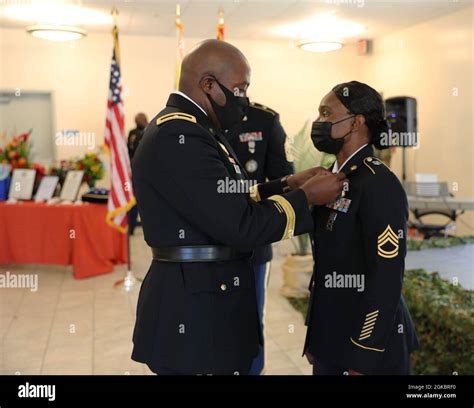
(233, 111)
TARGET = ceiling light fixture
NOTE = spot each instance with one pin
(56, 33)
(321, 27)
(320, 46)
(56, 13)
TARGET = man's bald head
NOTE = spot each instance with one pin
(215, 58)
(209, 62)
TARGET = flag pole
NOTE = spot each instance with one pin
(127, 283)
(220, 25)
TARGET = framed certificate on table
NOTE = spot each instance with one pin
(21, 187)
(46, 188)
(71, 185)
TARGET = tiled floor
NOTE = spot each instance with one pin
(455, 262)
(85, 326)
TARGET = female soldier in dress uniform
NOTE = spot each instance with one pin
(358, 322)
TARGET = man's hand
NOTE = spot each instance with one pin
(297, 180)
(324, 189)
(352, 372)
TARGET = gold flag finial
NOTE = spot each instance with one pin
(115, 14)
(221, 15)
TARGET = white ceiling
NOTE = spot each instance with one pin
(255, 19)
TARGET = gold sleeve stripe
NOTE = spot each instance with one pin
(290, 215)
(176, 115)
(369, 327)
(365, 335)
(365, 331)
(367, 348)
(372, 319)
(254, 193)
(282, 210)
(279, 207)
(372, 313)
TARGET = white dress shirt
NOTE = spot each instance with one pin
(189, 99)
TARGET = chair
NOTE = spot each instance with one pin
(427, 186)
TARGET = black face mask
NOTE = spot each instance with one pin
(233, 111)
(322, 139)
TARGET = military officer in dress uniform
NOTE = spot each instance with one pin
(259, 142)
(197, 311)
(358, 322)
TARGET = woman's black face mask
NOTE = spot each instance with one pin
(233, 111)
(322, 139)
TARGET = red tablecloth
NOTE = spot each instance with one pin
(60, 234)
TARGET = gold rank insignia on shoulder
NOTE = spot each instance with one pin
(389, 238)
(263, 107)
(174, 116)
(368, 160)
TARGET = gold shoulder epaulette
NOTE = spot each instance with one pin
(263, 107)
(174, 116)
(373, 162)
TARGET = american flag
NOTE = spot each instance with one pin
(121, 197)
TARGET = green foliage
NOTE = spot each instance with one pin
(438, 242)
(305, 157)
(443, 315)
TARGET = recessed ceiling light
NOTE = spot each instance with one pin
(320, 46)
(56, 33)
(54, 13)
(323, 27)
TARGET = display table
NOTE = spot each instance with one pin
(37, 233)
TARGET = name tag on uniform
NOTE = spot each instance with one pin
(341, 204)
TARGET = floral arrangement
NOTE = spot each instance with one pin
(93, 168)
(90, 163)
(16, 155)
(17, 152)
